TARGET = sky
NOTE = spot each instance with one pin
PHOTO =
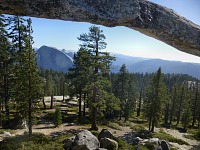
(63, 35)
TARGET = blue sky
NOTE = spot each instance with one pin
(63, 35)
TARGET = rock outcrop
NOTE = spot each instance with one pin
(85, 140)
(146, 17)
(105, 134)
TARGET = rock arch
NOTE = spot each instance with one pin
(146, 17)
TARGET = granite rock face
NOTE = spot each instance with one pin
(146, 17)
(52, 58)
(85, 140)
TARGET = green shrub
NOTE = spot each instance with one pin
(36, 142)
(144, 134)
(122, 145)
(112, 146)
(84, 120)
(168, 137)
(197, 135)
(95, 133)
(140, 147)
(57, 117)
(10, 145)
(35, 120)
(150, 145)
(138, 127)
(114, 126)
(40, 138)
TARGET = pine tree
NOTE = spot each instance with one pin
(126, 92)
(49, 86)
(27, 80)
(154, 100)
(79, 74)
(122, 90)
(57, 117)
(173, 103)
(180, 103)
(194, 101)
(6, 68)
(100, 65)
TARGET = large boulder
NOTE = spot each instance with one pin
(105, 134)
(85, 140)
(162, 145)
(68, 143)
(165, 145)
(109, 144)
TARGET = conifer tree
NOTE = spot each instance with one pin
(122, 88)
(194, 103)
(183, 95)
(100, 65)
(126, 92)
(79, 74)
(27, 81)
(57, 117)
(173, 103)
(154, 100)
(6, 68)
(49, 86)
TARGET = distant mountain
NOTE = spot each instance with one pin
(121, 59)
(69, 52)
(52, 58)
(167, 66)
(61, 60)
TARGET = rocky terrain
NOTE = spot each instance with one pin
(80, 136)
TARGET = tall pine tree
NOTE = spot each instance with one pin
(100, 66)
(154, 100)
(27, 80)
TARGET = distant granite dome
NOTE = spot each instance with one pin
(52, 58)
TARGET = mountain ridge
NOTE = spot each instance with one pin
(61, 60)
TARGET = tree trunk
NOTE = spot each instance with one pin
(0, 114)
(180, 106)
(171, 115)
(80, 99)
(166, 114)
(94, 126)
(51, 107)
(140, 102)
(30, 117)
(84, 97)
(6, 96)
(43, 103)
(149, 124)
(194, 111)
(63, 91)
(153, 125)
(120, 114)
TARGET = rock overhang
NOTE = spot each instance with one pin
(146, 17)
